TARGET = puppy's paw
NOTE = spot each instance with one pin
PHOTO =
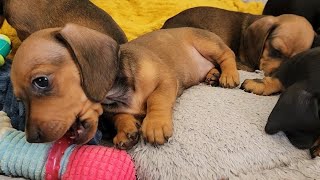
(255, 86)
(265, 87)
(127, 136)
(315, 151)
(157, 131)
(212, 77)
(229, 79)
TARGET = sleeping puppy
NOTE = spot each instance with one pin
(68, 77)
(259, 42)
(297, 110)
(310, 10)
(26, 17)
(273, 84)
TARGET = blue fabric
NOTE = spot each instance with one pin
(20, 158)
(8, 102)
(14, 109)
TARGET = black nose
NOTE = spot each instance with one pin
(33, 137)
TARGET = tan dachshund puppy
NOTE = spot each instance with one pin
(67, 77)
(29, 16)
(259, 42)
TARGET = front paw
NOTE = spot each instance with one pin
(128, 136)
(212, 77)
(157, 131)
(315, 151)
(229, 79)
(255, 86)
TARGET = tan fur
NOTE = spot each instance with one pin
(265, 87)
(140, 78)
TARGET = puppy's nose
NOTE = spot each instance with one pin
(33, 137)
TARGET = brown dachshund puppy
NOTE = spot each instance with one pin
(65, 77)
(29, 16)
(259, 42)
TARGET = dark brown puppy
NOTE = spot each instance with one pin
(26, 17)
(65, 77)
(259, 42)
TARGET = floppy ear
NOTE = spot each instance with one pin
(96, 56)
(254, 39)
(296, 114)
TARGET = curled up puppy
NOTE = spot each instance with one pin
(67, 77)
(27, 17)
(260, 42)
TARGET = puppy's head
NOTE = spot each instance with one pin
(270, 40)
(297, 115)
(62, 75)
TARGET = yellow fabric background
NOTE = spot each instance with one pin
(137, 17)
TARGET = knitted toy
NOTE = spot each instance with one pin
(59, 160)
(5, 47)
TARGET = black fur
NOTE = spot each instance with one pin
(309, 9)
(297, 110)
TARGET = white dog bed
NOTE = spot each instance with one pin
(219, 133)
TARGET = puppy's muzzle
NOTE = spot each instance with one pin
(34, 135)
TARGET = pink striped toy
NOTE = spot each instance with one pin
(59, 160)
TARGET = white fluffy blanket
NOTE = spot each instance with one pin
(219, 133)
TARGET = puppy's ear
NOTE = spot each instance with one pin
(96, 56)
(296, 114)
(254, 38)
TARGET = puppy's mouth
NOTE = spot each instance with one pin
(78, 132)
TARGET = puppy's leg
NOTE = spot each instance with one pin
(265, 86)
(216, 51)
(127, 131)
(157, 126)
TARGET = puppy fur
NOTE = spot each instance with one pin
(86, 71)
(259, 42)
(27, 17)
(297, 110)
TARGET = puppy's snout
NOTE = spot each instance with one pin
(34, 136)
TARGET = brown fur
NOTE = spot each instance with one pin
(140, 78)
(27, 17)
(259, 42)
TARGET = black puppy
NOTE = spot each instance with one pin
(297, 110)
(309, 9)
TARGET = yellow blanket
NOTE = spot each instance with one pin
(137, 17)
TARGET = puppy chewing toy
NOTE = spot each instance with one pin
(59, 160)
(5, 47)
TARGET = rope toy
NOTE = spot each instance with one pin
(59, 160)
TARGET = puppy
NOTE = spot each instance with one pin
(310, 10)
(297, 110)
(68, 77)
(26, 17)
(259, 42)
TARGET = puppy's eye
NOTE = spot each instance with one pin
(41, 82)
(275, 53)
